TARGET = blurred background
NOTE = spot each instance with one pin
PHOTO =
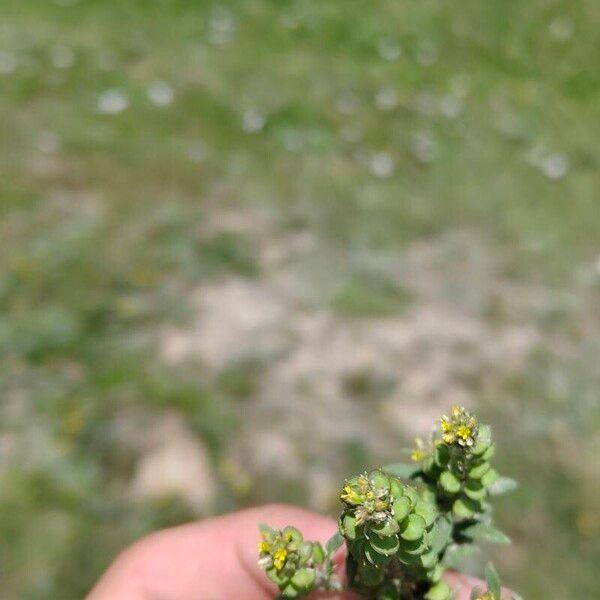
(250, 247)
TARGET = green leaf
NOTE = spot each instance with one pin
(378, 479)
(402, 507)
(303, 579)
(318, 553)
(502, 485)
(290, 591)
(427, 511)
(429, 560)
(388, 527)
(493, 580)
(385, 545)
(413, 527)
(489, 453)
(440, 591)
(487, 533)
(441, 455)
(412, 494)
(293, 533)
(479, 470)
(416, 547)
(402, 470)
(474, 490)
(396, 487)
(348, 526)
(465, 508)
(440, 534)
(334, 543)
(456, 554)
(374, 557)
(277, 578)
(484, 440)
(265, 529)
(449, 482)
(489, 478)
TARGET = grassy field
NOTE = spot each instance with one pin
(336, 217)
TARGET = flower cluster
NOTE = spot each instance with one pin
(400, 539)
(288, 560)
(461, 428)
(385, 523)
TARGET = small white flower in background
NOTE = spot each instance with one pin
(562, 28)
(382, 165)
(555, 166)
(389, 49)
(48, 142)
(112, 102)
(253, 121)
(221, 27)
(424, 147)
(8, 62)
(160, 93)
(62, 57)
(386, 99)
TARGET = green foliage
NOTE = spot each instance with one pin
(401, 537)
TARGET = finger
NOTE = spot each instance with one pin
(214, 560)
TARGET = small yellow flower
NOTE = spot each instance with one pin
(279, 558)
(464, 432)
(264, 546)
(461, 427)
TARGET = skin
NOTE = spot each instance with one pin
(216, 559)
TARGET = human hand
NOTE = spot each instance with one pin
(216, 559)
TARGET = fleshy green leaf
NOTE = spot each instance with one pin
(440, 534)
(303, 579)
(449, 482)
(427, 511)
(402, 507)
(440, 591)
(489, 478)
(385, 545)
(265, 529)
(487, 533)
(474, 490)
(502, 485)
(402, 470)
(493, 580)
(333, 543)
(388, 527)
(413, 527)
(465, 508)
(348, 526)
(479, 470)
(318, 553)
(379, 479)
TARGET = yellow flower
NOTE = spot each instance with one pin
(464, 432)
(264, 546)
(279, 558)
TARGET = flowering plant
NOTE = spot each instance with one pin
(403, 524)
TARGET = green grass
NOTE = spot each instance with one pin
(106, 229)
